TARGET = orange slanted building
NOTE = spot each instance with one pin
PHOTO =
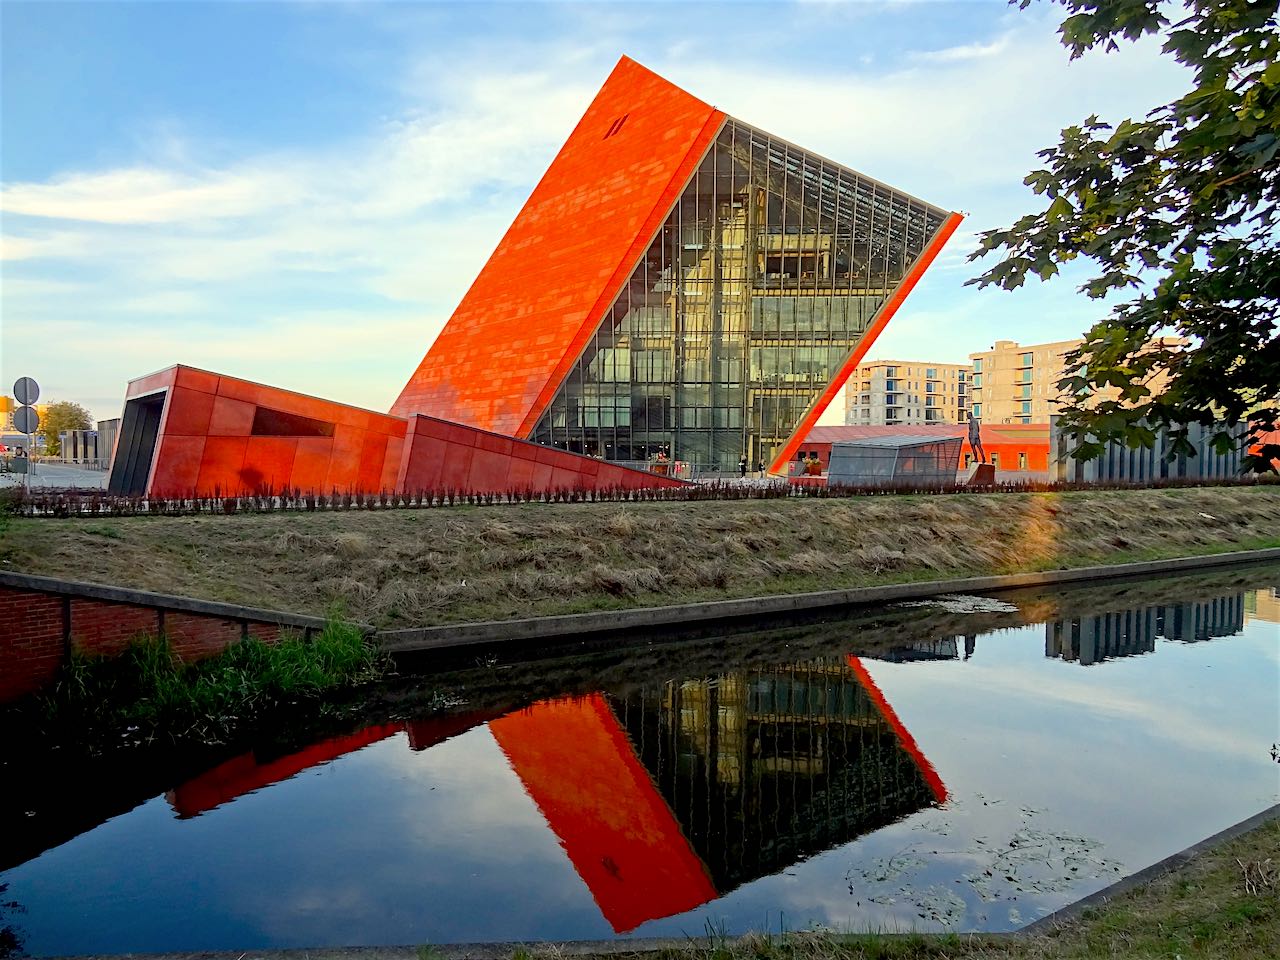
(680, 286)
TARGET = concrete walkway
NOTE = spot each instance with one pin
(58, 475)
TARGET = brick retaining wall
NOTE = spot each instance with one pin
(42, 620)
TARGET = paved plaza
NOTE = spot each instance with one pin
(60, 475)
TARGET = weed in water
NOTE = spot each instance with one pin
(147, 693)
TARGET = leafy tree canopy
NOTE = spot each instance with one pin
(58, 417)
(1178, 212)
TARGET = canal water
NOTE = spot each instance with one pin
(970, 764)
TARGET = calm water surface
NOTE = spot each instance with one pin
(959, 766)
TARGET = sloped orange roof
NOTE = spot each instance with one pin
(539, 298)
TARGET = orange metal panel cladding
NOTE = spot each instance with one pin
(578, 766)
(441, 455)
(881, 321)
(541, 295)
(206, 443)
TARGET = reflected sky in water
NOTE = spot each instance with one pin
(947, 778)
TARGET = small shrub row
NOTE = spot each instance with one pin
(47, 502)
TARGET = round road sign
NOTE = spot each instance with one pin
(26, 390)
(25, 419)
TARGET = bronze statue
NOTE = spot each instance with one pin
(975, 440)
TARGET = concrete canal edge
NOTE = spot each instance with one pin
(578, 948)
(450, 636)
(54, 614)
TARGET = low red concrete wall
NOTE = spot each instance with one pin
(440, 455)
(45, 620)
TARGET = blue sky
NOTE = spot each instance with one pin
(301, 193)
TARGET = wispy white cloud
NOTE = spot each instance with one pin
(148, 195)
(967, 51)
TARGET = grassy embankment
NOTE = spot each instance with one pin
(1223, 905)
(421, 567)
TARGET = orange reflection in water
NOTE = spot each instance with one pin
(577, 764)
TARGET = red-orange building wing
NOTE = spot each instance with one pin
(541, 295)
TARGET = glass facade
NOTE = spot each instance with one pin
(750, 300)
(895, 461)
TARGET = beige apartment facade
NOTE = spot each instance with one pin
(1012, 383)
(1017, 383)
(888, 392)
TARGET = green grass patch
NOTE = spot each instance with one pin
(147, 694)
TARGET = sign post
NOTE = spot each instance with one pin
(25, 419)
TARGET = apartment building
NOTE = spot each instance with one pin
(1015, 383)
(1018, 384)
(889, 392)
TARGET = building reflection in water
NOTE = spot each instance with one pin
(669, 797)
(672, 794)
(1124, 633)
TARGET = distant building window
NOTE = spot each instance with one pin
(1022, 460)
(977, 365)
(891, 385)
(977, 410)
(930, 388)
(931, 373)
(1024, 376)
(964, 374)
(1025, 391)
(890, 371)
(977, 379)
(1027, 359)
(1026, 420)
(277, 423)
(1026, 407)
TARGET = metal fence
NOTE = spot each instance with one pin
(1120, 463)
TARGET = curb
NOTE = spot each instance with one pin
(577, 625)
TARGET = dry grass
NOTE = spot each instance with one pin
(464, 563)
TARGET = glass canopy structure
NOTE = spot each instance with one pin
(680, 284)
